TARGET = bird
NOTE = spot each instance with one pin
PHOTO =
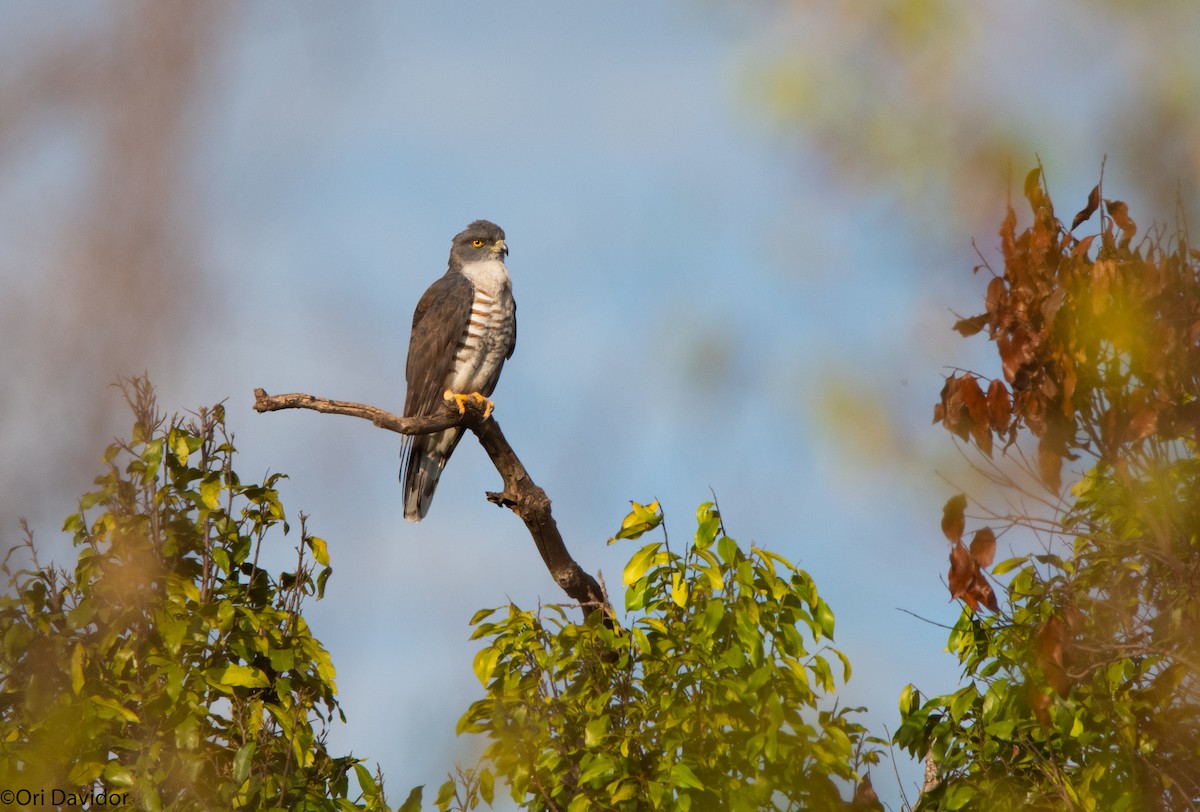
(463, 330)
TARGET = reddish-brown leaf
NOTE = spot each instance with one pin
(999, 406)
(1039, 703)
(971, 326)
(974, 399)
(1143, 423)
(983, 592)
(1050, 466)
(955, 416)
(1016, 353)
(983, 547)
(976, 419)
(1033, 189)
(962, 570)
(1051, 640)
(939, 412)
(1082, 247)
(954, 520)
(1069, 381)
(997, 293)
(1050, 308)
(1093, 203)
(1119, 212)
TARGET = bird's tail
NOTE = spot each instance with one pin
(421, 462)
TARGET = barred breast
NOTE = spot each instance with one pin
(488, 337)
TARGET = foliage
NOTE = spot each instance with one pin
(709, 699)
(1084, 693)
(167, 665)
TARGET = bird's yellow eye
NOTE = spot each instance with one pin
(477, 243)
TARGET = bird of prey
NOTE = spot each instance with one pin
(464, 328)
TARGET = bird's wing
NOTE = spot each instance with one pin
(438, 324)
(513, 342)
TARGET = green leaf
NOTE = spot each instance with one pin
(1007, 565)
(679, 589)
(682, 776)
(727, 548)
(210, 491)
(413, 802)
(445, 793)
(179, 446)
(600, 766)
(487, 786)
(641, 561)
(242, 761)
(640, 520)
(89, 500)
(319, 549)
(481, 615)
(824, 618)
(485, 664)
(77, 669)
(84, 773)
(595, 731)
(114, 708)
(117, 775)
(237, 676)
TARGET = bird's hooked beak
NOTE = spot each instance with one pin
(500, 247)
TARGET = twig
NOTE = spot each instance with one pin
(520, 495)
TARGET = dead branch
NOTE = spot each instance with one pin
(520, 495)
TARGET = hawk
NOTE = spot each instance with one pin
(463, 330)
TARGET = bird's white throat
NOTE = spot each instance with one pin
(487, 275)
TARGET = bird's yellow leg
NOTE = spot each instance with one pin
(460, 400)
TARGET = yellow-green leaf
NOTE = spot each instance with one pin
(210, 491)
(640, 562)
(115, 707)
(237, 676)
(77, 669)
(180, 447)
(485, 664)
(84, 773)
(320, 550)
(682, 776)
(679, 589)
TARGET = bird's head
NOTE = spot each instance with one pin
(480, 241)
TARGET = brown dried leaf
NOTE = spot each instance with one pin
(1050, 307)
(977, 420)
(954, 520)
(983, 547)
(1016, 353)
(983, 592)
(1093, 203)
(1082, 247)
(1143, 423)
(973, 399)
(997, 295)
(999, 406)
(1050, 466)
(1119, 212)
(1033, 189)
(1051, 640)
(1039, 703)
(962, 570)
(969, 327)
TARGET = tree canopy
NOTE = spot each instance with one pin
(1082, 691)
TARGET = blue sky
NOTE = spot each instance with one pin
(708, 302)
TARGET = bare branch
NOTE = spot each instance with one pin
(520, 495)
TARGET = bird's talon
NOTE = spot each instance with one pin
(460, 400)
